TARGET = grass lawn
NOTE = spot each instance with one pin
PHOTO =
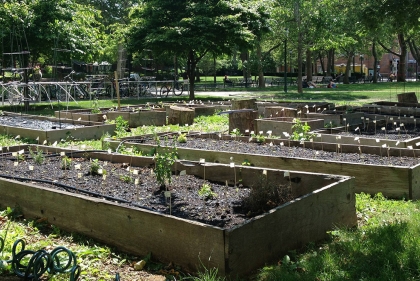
(384, 246)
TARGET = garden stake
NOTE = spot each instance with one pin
(345, 124)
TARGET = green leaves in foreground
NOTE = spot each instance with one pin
(386, 246)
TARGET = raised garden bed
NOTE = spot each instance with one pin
(395, 172)
(280, 125)
(118, 213)
(51, 129)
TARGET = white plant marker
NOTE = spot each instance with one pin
(54, 144)
(77, 167)
(31, 168)
(79, 175)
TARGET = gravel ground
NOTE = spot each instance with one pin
(28, 123)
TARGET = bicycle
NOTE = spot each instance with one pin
(175, 86)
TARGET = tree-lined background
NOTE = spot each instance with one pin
(209, 37)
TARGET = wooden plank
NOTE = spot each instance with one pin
(131, 230)
(291, 226)
(392, 181)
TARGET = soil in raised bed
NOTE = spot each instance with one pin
(393, 131)
(285, 150)
(229, 207)
(29, 123)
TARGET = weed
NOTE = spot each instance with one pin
(260, 138)
(246, 163)
(95, 106)
(38, 157)
(236, 133)
(207, 192)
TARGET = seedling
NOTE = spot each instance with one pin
(126, 178)
(182, 138)
(65, 163)
(38, 157)
(206, 192)
(94, 167)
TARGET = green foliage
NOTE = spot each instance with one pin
(207, 192)
(301, 131)
(260, 138)
(37, 156)
(163, 165)
(66, 163)
(126, 179)
(121, 126)
(182, 138)
(95, 106)
(94, 167)
(246, 163)
(236, 132)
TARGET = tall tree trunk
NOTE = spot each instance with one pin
(214, 68)
(191, 66)
(321, 61)
(300, 46)
(329, 59)
(308, 65)
(261, 83)
(348, 65)
(403, 55)
(375, 62)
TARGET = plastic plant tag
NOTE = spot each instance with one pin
(282, 143)
(104, 177)
(260, 132)
(344, 119)
(362, 118)
(167, 194)
(271, 143)
(265, 172)
(232, 164)
(136, 181)
(100, 171)
(417, 143)
(21, 151)
(83, 146)
(62, 153)
(286, 174)
(105, 163)
(410, 147)
(77, 167)
(377, 140)
(54, 144)
(269, 132)
(202, 160)
(391, 118)
(183, 173)
(383, 128)
(338, 137)
(79, 175)
(15, 163)
(338, 145)
(31, 168)
(367, 119)
(252, 132)
(398, 142)
(14, 154)
(356, 129)
(135, 172)
(45, 142)
(384, 145)
(250, 139)
(109, 151)
(246, 131)
(17, 137)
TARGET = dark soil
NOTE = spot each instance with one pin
(392, 132)
(225, 210)
(28, 123)
(285, 151)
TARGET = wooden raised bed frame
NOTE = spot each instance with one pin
(324, 201)
(391, 181)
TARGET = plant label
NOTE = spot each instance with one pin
(264, 172)
(418, 143)
(384, 145)
(105, 163)
(21, 151)
(362, 118)
(183, 173)
(339, 137)
(269, 133)
(135, 172)
(260, 132)
(109, 151)
(282, 144)
(271, 143)
(83, 146)
(246, 131)
(391, 118)
(31, 168)
(100, 171)
(398, 142)
(54, 144)
(79, 175)
(15, 163)
(252, 132)
(383, 128)
(104, 177)
(45, 142)
(202, 160)
(344, 119)
(410, 147)
(250, 139)
(17, 137)
(136, 181)
(377, 140)
(286, 174)
(14, 154)
(367, 119)
(167, 194)
(338, 145)
(232, 164)
(62, 153)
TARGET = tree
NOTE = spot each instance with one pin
(193, 28)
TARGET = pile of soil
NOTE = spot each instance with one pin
(28, 123)
(224, 210)
(284, 150)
